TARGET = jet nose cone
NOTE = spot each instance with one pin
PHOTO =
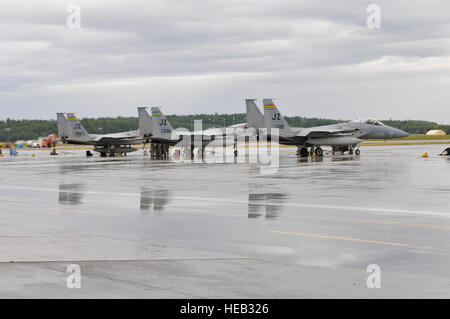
(400, 134)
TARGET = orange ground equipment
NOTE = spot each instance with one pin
(50, 141)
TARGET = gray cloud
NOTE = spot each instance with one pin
(192, 56)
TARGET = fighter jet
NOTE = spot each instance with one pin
(341, 137)
(71, 131)
(157, 130)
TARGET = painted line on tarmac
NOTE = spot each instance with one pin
(394, 223)
(227, 200)
(63, 210)
(86, 212)
(339, 238)
(380, 222)
(156, 259)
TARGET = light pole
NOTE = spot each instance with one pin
(8, 130)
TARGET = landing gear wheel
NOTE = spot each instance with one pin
(319, 151)
(303, 152)
(357, 151)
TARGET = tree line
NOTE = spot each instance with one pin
(33, 129)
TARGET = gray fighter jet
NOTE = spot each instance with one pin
(71, 131)
(341, 137)
(156, 129)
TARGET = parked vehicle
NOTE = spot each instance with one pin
(50, 141)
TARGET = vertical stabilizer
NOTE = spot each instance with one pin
(274, 119)
(63, 126)
(145, 122)
(255, 118)
(76, 131)
(161, 127)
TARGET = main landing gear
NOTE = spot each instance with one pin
(302, 151)
(351, 149)
(318, 151)
(159, 150)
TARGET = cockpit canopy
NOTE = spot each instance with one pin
(368, 121)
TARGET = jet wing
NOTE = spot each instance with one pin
(124, 137)
(326, 130)
(231, 130)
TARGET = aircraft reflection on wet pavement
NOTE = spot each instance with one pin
(155, 200)
(70, 194)
(264, 204)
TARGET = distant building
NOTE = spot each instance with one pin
(436, 132)
(20, 144)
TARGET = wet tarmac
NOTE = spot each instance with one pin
(315, 225)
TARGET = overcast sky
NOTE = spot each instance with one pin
(317, 58)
